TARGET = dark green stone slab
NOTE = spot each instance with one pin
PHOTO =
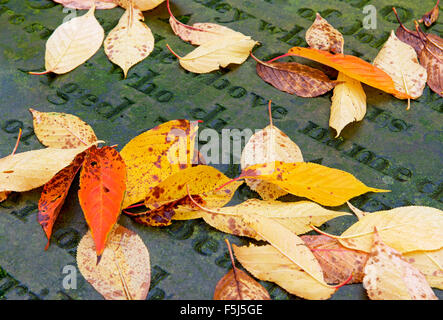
(391, 148)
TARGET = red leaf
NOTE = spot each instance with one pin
(102, 187)
(54, 194)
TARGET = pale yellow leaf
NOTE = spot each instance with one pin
(359, 213)
(73, 43)
(32, 169)
(399, 60)
(388, 276)
(268, 264)
(348, 103)
(218, 53)
(295, 216)
(62, 130)
(265, 146)
(130, 41)
(430, 263)
(405, 229)
(323, 36)
(123, 272)
(142, 5)
(86, 4)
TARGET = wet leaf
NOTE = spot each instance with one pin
(62, 130)
(265, 146)
(199, 33)
(142, 5)
(353, 67)
(337, 261)
(54, 194)
(268, 264)
(295, 216)
(73, 43)
(32, 169)
(217, 53)
(430, 263)
(348, 103)
(388, 276)
(155, 155)
(124, 271)
(86, 4)
(399, 61)
(102, 187)
(238, 285)
(322, 36)
(130, 41)
(295, 78)
(431, 17)
(405, 229)
(326, 186)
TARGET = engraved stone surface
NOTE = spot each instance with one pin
(390, 149)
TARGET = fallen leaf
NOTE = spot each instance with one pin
(62, 130)
(72, 43)
(430, 263)
(295, 216)
(295, 78)
(217, 53)
(431, 17)
(32, 169)
(54, 194)
(322, 36)
(431, 58)
(4, 195)
(102, 187)
(142, 5)
(268, 264)
(405, 229)
(130, 41)
(237, 285)
(399, 61)
(86, 4)
(359, 213)
(265, 146)
(324, 185)
(155, 155)
(388, 276)
(124, 271)
(199, 179)
(348, 103)
(409, 37)
(353, 67)
(199, 33)
(337, 261)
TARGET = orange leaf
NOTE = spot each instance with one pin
(54, 194)
(353, 67)
(102, 187)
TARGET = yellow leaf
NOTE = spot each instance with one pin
(359, 213)
(430, 263)
(287, 243)
(199, 179)
(405, 229)
(269, 145)
(388, 276)
(73, 43)
(295, 216)
(348, 103)
(142, 5)
(218, 53)
(155, 155)
(62, 130)
(130, 41)
(399, 60)
(327, 186)
(123, 272)
(268, 264)
(29, 170)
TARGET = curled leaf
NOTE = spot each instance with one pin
(322, 36)
(124, 271)
(62, 130)
(130, 41)
(432, 16)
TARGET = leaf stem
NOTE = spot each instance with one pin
(176, 55)
(18, 141)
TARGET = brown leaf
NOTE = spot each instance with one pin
(337, 261)
(409, 37)
(388, 276)
(432, 60)
(431, 17)
(322, 36)
(237, 285)
(295, 78)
